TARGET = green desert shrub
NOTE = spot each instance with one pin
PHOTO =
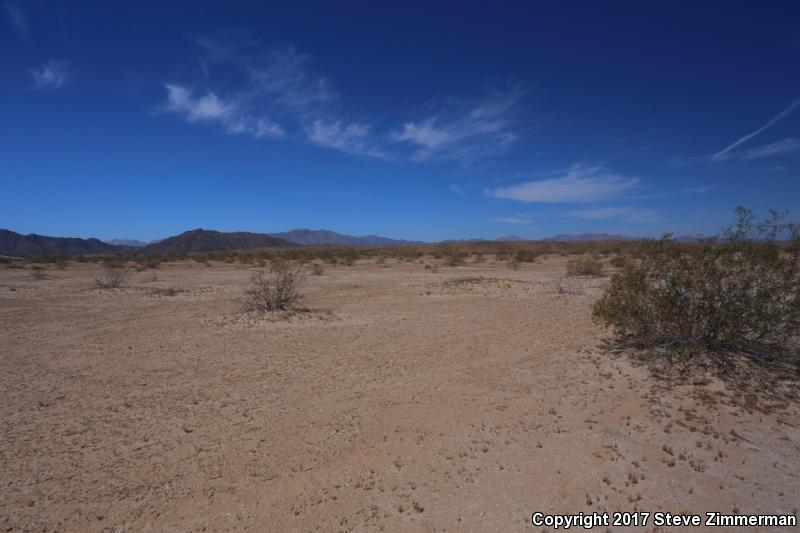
(276, 289)
(739, 294)
(584, 266)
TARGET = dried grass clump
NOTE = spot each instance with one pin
(38, 273)
(618, 261)
(730, 299)
(113, 276)
(317, 269)
(275, 289)
(584, 266)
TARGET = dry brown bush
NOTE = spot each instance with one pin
(275, 289)
(317, 269)
(113, 276)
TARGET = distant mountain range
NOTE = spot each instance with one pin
(320, 237)
(12, 243)
(566, 237)
(203, 240)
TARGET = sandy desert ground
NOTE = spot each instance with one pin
(407, 400)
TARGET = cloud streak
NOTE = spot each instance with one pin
(352, 138)
(625, 214)
(18, 19)
(211, 108)
(469, 132)
(580, 184)
(783, 147)
(725, 152)
(285, 78)
(52, 75)
(277, 95)
(512, 220)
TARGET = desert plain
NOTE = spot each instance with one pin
(400, 399)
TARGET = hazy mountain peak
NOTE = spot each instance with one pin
(133, 243)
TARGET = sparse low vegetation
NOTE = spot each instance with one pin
(145, 262)
(526, 256)
(584, 266)
(453, 257)
(618, 261)
(275, 289)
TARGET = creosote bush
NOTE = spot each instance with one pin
(317, 269)
(275, 289)
(723, 297)
(584, 266)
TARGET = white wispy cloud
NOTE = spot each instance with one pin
(277, 95)
(579, 184)
(456, 189)
(352, 138)
(208, 107)
(52, 75)
(285, 78)
(212, 108)
(725, 153)
(468, 132)
(276, 92)
(625, 214)
(512, 220)
(18, 19)
(783, 147)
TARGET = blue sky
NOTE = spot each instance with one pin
(412, 120)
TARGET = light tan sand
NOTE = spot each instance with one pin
(408, 400)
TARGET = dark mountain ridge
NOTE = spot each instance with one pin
(12, 243)
(204, 240)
